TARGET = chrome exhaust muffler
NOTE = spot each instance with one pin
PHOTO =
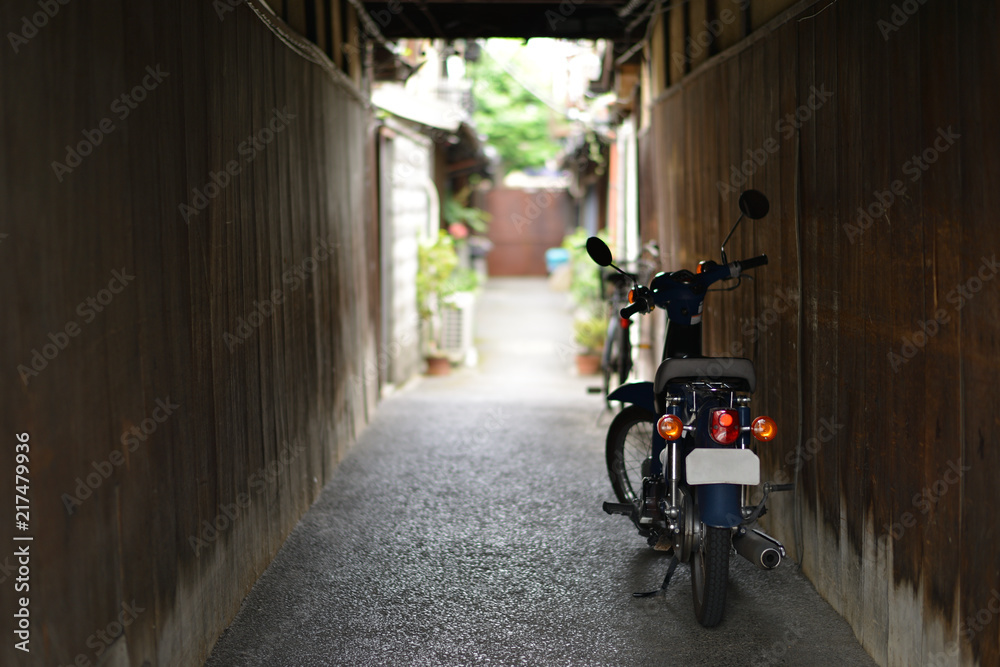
(759, 548)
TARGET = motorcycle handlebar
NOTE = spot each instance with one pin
(628, 311)
(752, 263)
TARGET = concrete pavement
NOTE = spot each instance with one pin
(465, 528)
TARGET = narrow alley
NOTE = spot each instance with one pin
(465, 528)
(239, 237)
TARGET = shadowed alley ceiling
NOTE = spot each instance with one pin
(616, 20)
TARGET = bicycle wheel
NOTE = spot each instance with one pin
(629, 452)
(624, 355)
(609, 360)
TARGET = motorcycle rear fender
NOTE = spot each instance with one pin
(637, 393)
(719, 504)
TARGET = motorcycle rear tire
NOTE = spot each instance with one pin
(629, 448)
(710, 575)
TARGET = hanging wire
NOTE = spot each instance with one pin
(806, 18)
(514, 76)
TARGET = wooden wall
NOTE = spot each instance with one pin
(875, 339)
(175, 400)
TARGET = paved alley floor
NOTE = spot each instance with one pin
(465, 528)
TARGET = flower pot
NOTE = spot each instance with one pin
(588, 364)
(438, 366)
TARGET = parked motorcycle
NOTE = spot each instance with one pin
(679, 454)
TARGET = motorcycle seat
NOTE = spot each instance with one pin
(705, 369)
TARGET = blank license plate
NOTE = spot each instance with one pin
(723, 466)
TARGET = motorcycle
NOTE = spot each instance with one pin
(679, 454)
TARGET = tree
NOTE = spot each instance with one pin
(515, 121)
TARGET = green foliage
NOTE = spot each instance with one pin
(513, 119)
(436, 263)
(590, 333)
(438, 275)
(463, 280)
(585, 284)
(456, 209)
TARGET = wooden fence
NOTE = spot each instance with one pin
(871, 127)
(186, 316)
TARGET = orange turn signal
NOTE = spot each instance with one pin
(670, 427)
(764, 429)
(631, 296)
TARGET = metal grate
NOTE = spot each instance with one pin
(455, 337)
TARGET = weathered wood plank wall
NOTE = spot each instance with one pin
(525, 223)
(196, 329)
(871, 127)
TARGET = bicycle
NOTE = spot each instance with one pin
(616, 359)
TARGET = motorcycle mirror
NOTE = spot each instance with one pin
(754, 204)
(599, 251)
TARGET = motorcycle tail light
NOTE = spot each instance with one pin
(764, 429)
(725, 426)
(670, 427)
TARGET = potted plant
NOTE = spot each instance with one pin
(589, 334)
(590, 326)
(461, 217)
(436, 263)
